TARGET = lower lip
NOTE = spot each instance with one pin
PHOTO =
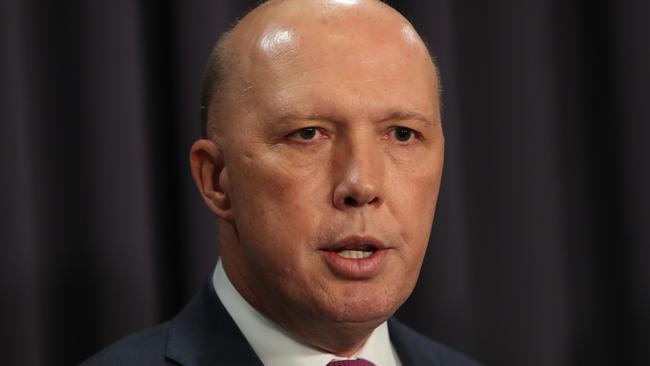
(356, 269)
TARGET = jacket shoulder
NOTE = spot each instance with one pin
(145, 348)
(418, 349)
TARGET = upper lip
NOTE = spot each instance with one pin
(358, 242)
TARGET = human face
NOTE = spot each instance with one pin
(332, 170)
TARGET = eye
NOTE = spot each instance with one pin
(403, 134)
(307, 133)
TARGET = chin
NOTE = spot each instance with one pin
(364, 305)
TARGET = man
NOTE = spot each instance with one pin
(322, 160)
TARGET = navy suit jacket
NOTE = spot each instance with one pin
(204, 334)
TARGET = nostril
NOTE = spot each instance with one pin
(349, 201)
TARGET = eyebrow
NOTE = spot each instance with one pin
(406, 115)
(395, 115)
(308, 117)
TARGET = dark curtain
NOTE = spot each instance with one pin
(539, 251)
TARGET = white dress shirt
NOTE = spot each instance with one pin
(276, 347)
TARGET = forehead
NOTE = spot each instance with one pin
(294, 61)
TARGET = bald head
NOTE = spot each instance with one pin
(279, 32)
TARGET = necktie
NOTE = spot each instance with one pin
(357, 362)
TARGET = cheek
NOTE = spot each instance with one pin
(279, 203)
(412, 200)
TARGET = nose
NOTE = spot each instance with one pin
(360, 175)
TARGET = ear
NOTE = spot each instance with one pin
(211, 177)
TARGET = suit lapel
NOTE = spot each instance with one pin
(204, 334)
(409, 346)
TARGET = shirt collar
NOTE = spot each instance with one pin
(276, 347)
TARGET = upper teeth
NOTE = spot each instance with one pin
(355, 254)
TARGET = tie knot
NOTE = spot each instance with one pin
(357, 362)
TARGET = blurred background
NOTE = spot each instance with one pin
(539, 252)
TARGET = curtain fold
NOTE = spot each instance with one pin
(539, 247)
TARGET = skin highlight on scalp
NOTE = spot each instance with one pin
(220, 75)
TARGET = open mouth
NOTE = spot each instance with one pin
(356, 252)
(356, 257)
(355, 247)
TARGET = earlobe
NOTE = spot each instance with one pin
(211, 177)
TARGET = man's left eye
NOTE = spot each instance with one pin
(403, 134)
